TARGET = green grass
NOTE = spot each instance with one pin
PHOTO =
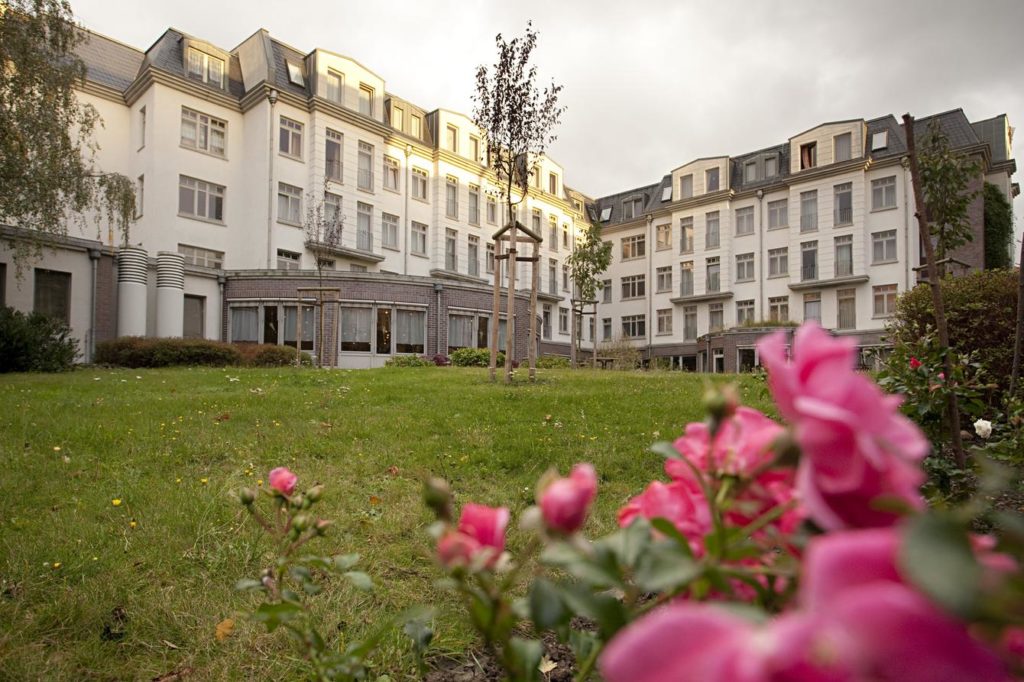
(174, 444)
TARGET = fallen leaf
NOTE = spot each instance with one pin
(225, 628)
(393, 470)
(546, 665)
(374, 500)
(223, 418)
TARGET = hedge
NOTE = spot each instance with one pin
(134, 351)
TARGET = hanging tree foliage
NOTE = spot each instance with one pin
(47, 171)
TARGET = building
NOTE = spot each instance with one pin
(232, 149)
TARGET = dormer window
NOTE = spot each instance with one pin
(843, 147)
(335, 86)
(632, 208)
(451, 140)
(666, 193)
(771, 167)
(295, 75)
(711, 180)
(606, 214)
(808, 155)
(397, 118)
(205, 68)
(750, 171)
(880, 140)
(366, 95)
(686, 187)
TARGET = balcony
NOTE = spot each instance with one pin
(846, 280)
(809, 272)
(364, 255)
(364, 240)
(333, 169)
(844, 215)
(808, 222)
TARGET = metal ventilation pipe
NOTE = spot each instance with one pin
(132, 278)
(170, 294)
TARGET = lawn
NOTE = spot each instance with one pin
(85, 593)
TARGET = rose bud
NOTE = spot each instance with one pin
(566, 501)
(315, 493)
(282, 480)
(438, 496)
(247, 496)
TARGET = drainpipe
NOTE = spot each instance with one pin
(438, 287)
(221, 279)
(905, 162)
(405, 236)
(760, 254)
(650, 290)
(94, 257)
(272, 98)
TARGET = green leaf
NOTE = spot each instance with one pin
(360, 580)
(346, 561)
(599, 570)
(666, 450)
(667, 528)
(526, 655)
(274, 615)
(583, 643)
(547, 610)
(420, 634)
(665, 567)
(249, 585)
(628, 543)
(604, 609)
(937, 557)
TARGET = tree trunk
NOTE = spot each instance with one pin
(510, 314)
(920, 212)
(1018, 338)
(535, 278)
(572, 333)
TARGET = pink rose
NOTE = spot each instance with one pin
(456, 549)
(480, 537)
(743, 444)
(680, 502)
(565, 501)
(282, 480)
(857, 448)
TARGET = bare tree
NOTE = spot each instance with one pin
(516, 119)
(323, 227)
(590, 258)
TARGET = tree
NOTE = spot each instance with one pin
(998, 228)
(516, 119)
(323, 227)
(940, 177)
(590, 258)
(47, 169)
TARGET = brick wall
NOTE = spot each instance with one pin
(106, 298)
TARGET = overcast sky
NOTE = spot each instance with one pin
(649, 85)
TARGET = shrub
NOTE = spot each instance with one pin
(624, 354)
(981, 309)
(441, 360)
(34, 343)
(270, 355)
(409, 361)
(134, 351)
(475, 357)
(553, 362)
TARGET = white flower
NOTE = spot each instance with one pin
(983, 428)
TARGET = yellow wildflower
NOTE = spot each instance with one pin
(116, 502)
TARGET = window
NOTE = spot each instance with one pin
(883, 193)
(355, 329)
(474, 148)
(391, 173)
(389, 231)
(52, 294)
(634, 247)
(563, 320)
(245, 324)
(778, 214)
(473, 255)
(634, 326)
(846, 309)
(489, 258)
(778, 262)
(460, 332)
(606, 329)
(663, 237)
(451, 197)
(295, 75)
(288, 260)
(326, 264)
(778, 308)
(565, 235)
(193, 317)
(365, 99)
(664, 279)
(711, 180)
(686, 235)
(205, 68)
(419, 184)
(357, 268)
(205, 258)
(552, 229)
(451, 262)
(565, 277)
(365, 175)
(416, 126)
(364, 226)
(140, 195)
(771, 167)
(664, 320)
(397, 118)
(745, 267)
(879, 140)
(750, 171)
(686, 278)
(690, 323)
(634, 286)
(410, 331)
(844, 255)
(843, 147)
(535, 177)
(332, 210)
(714, 270)
(198, 199)
(885, 300)
(744, 312)
(545, 326)
(686, 187)
(883, 247)
(535, 222)
(142, 127)
(474, 205)
(419, 239)
(632, 208)
(335, 86)
(606, 291)
(808, 261)
(716, 317)
(205, 133)
(844, 204)
(289, 204)
(809, 211)
(290, 140)
(808, 155)
(745, 220)
(812, 307)
(606, 214)
(451, 139)
(552, 276)
(332, 163)
(492, 211)
(711, 235)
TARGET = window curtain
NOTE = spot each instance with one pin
(245, 324)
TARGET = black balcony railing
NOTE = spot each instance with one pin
(844, 215)
(808, 272)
